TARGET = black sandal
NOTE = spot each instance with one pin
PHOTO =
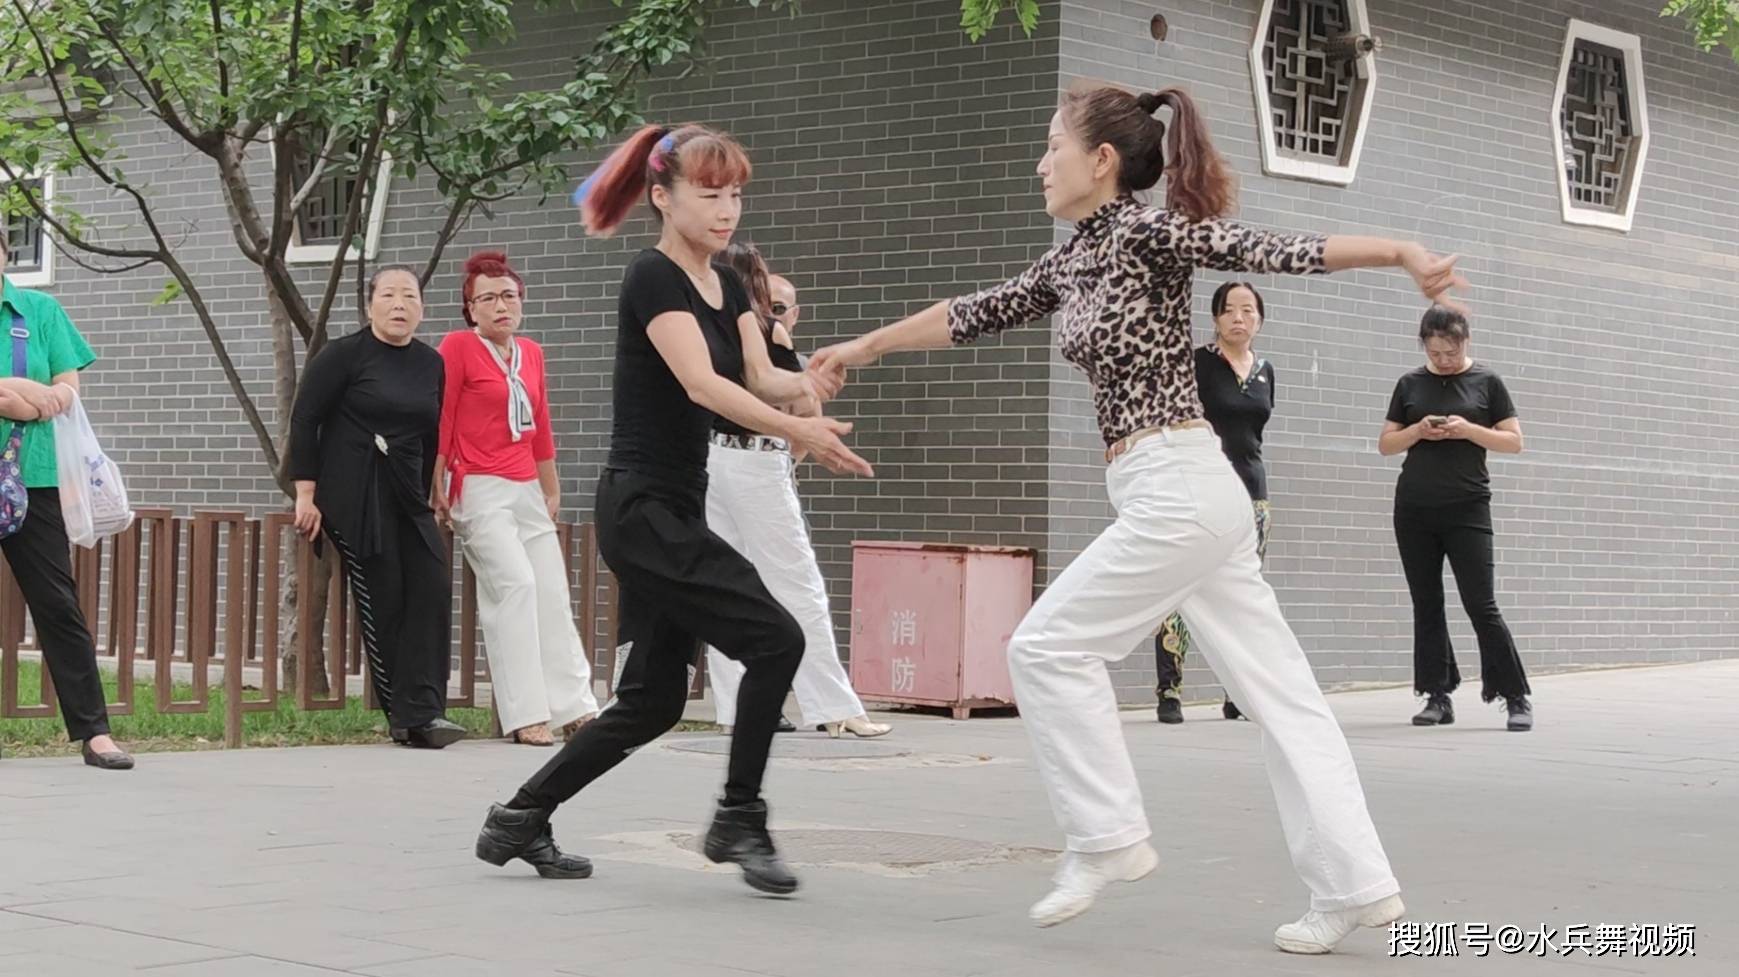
(112, 760)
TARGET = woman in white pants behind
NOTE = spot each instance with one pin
(1184, 537)
(751, 502)
(495, 484)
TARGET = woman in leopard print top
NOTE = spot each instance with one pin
(1184, 537)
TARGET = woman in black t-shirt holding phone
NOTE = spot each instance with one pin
(1446, 415)
(688, 347)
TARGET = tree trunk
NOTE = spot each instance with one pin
(291, 639)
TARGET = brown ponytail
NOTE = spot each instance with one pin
(1199, 184)
(1198, 181)
(657, 155)
(745, 259)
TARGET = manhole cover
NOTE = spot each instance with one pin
(894, 849)
(797, 747)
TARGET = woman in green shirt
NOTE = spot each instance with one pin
(38, 332)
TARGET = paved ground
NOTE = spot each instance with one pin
(1619, 809)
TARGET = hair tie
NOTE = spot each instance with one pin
(584, 190)
(664, 147)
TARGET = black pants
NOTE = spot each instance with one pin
(404, 605)
(41, 561)
(681, 587)
(1463, 533)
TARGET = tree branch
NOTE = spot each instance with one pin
(246, 224)
(60, 227)
(366, 166)
(206, 142)
(209, 324)
(73, 257)
(313, 182)
(295, 67)
(456, 217)
(217, 52)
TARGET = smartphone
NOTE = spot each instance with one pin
(1437, 421)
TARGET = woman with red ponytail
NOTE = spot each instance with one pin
(689, 347)
(496, 486)
(1185, 536)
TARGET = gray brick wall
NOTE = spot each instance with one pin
(895, 167)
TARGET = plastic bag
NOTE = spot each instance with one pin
(92, 499)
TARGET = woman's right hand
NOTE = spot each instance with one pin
(307, 517)
(1434, 274)
(443, 508)
(819, 438)
(831, 362)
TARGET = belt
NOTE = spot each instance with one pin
(1122, 445)
(748, 442)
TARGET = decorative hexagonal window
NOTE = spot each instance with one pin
(1600, 126)
(1312, 65)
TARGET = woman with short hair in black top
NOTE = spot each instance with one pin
(1446, 415)
(688, 346)
(1183, 537)
(1237, 389)
(363, 437)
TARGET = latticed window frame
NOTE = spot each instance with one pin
(43, 274)
(373, 221)
(1630, 45)
(1275, 162)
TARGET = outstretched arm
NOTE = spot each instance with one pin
(1169, 237)
(926, 330)
(1019, 300)
(678, 339)
(1434, 274)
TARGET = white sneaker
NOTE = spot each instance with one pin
(1082, 876)
(1318, 932)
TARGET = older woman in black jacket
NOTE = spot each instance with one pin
(362, 454)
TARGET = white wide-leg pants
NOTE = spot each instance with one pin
(1185, 539)
(537, 664)
(751, 502)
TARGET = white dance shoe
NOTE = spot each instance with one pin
(1319, 932)
(1083, 875)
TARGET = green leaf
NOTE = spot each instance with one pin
(172, 291)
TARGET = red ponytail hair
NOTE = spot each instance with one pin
(657, 155)
(618, 183)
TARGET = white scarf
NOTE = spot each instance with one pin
(519, 413)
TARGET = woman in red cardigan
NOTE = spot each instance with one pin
(495, 484)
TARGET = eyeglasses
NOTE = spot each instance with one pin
(490, 298)
(780, 308)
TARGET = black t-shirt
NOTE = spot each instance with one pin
(783, 357)
(1238, 410)
(656, 429)
(1450, 471)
